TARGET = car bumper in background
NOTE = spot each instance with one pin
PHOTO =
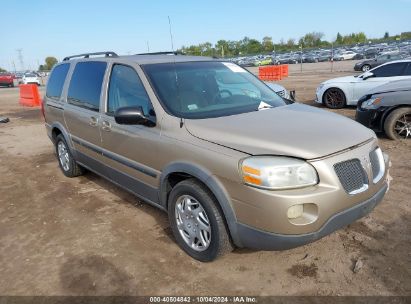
(369, 118)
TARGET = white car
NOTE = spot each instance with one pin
(30, 78)
(280, 90)
(347, 55)
(339, 92)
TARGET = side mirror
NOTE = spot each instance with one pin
(367, 75)
(132, 116)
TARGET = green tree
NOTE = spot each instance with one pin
(339, 39)
(2, 70)
(50, 62)
(386, 35)
(267, 44)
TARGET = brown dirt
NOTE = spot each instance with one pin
(85, 236)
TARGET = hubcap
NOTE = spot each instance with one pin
(334, 98)
(193, 223)
(403, 126)
(365, 68)
(63, 155)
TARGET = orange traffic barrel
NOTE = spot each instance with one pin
(29, 95)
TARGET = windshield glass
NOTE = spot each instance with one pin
(30, 75)
(209, 89)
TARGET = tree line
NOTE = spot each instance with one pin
(250, 46)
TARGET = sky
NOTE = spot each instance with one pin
(56, 28)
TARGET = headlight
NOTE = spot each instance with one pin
(371, 104)
(274, 173)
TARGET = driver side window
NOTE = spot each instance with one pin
(389, 70)
(127, 90)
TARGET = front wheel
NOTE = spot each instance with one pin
(334, 98)
(196, 221)
(365, 67)
(398, 124)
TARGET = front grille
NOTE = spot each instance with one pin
(377, 164)
(352, 176)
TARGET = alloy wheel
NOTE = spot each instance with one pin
(403, 126)
(193, 223)
(64, 157)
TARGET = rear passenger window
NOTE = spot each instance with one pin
(85, 84)
(56, 81)
(127, 90)
(389, 70)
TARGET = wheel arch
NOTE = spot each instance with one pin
(56, 129)
(184, 170)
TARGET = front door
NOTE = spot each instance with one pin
(130, 150)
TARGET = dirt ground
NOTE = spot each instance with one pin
(85, 236)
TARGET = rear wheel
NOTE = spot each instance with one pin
(66, 161)
(398, 124)
(334, 98)
(365, 67)
(196, 221)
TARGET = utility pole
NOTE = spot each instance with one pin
(301, 58)
(148, 47)
(20, 57)
(332, 56)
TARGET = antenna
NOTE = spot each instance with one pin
(171, 34)
(175, 71)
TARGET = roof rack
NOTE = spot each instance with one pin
(87, 55)
(162, 53)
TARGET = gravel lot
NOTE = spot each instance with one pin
(85, 236)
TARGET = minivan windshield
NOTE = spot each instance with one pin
(208, 89)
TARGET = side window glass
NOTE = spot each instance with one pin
(56, 81)
(127, 90)
(85, 84)
(389, 70)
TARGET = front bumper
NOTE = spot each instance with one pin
(369, 118)
(262, 240)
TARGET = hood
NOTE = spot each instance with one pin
(293, 130)
(393, 86)
(345, 79)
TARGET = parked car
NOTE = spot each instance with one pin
(7, 79)
(280, 90)
(387, 108)
(264, 61)
(339, 92)
(238, 166)
(366, 65)
(324, 56)
(31, 78)
(347, 55)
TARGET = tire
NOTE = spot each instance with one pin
(365, 67)
(334, 98)
(11, 85)
(69, 167)
(200, 209)
(398, 124)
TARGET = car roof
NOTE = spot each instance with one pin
(147, 59)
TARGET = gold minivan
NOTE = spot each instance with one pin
(229, 160)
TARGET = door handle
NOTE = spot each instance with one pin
(106, 126)
(93, 121)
